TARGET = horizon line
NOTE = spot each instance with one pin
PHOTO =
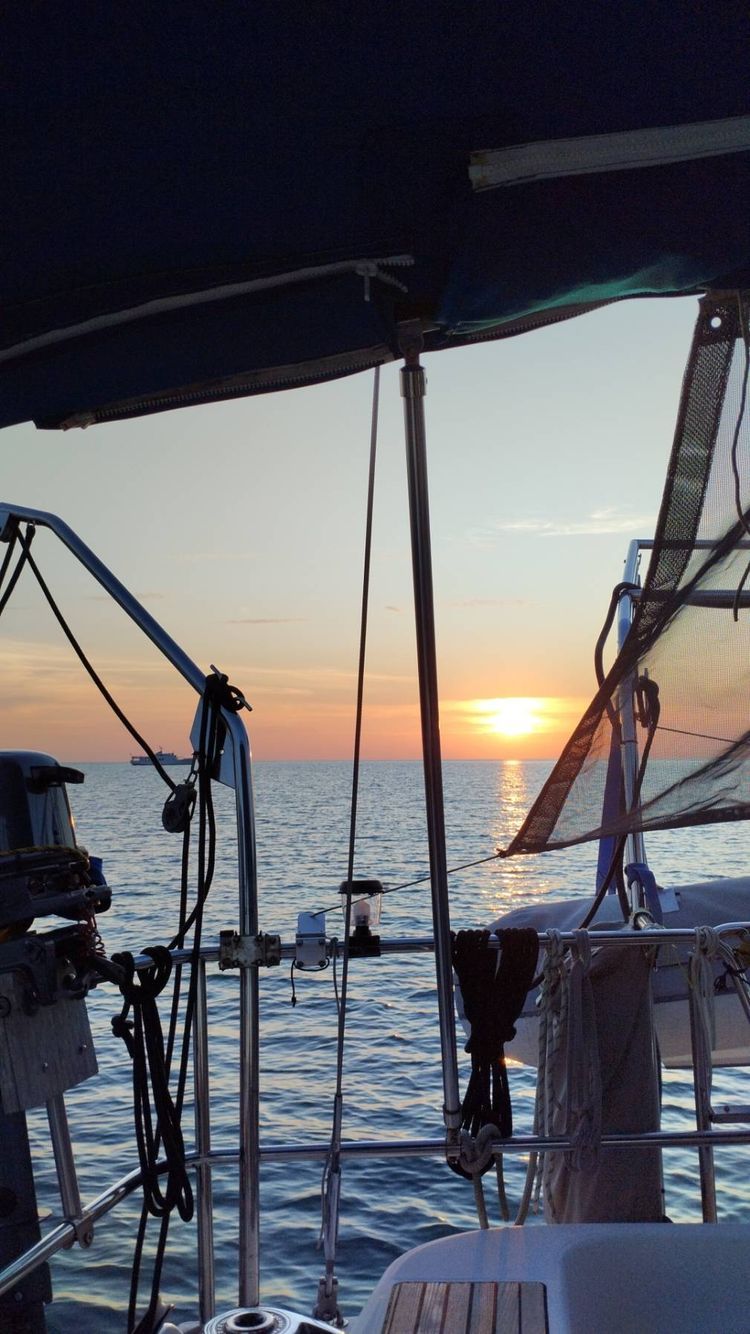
(366, 759)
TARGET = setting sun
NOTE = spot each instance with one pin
(517, 716)
(509, 726)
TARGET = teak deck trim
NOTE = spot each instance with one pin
(467, 1308)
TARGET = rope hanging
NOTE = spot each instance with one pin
(157, 1109)
(25, 541)
(144, 1040)
(493, 990)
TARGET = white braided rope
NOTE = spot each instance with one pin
(553, 1004)
(583, 1073)
(568, 1047)
(701, 982)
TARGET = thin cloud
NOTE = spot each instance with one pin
(275, 691)
(390, 607)
(488, 602)
(268, 620)
(142, 597)
(325, 675)
(597, 524)
(191, 556)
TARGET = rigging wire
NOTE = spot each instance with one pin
(704, 736)
(497, 856)
(331, 1181)
(421, 879)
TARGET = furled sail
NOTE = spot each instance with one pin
(682, 675)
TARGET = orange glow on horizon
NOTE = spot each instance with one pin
(510, 727)
(297, 714)
(513, 716)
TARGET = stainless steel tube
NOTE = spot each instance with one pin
(249, 1249)
(702, 1090)
(249, 1109)
(203, 1182)
(117, 591)
(65, 1233)
(67, 1180)
(413, 392)
(636, 851)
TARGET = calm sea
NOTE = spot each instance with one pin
(392, 1079)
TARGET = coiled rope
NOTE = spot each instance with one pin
(493, 989)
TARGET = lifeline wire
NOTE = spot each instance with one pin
(331, 1182)
(420, 880)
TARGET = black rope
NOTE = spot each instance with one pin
(15, 576)
(493, 990)
(614, 602)
(157, 1113)
(216, 695)
(614, 871)
(8, 555)
(16, 572)
(144, 1040)
(26, 544)
(735, 446)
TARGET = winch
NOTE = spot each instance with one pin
(45, 1038)
(42, 870)
(263, 1320)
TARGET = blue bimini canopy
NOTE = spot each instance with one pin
(200, 201)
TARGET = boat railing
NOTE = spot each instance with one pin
(78, 1223)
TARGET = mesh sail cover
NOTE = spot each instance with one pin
(690, 632)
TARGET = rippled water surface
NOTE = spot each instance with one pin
(392, 1069)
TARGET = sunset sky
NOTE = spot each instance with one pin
(241, 527)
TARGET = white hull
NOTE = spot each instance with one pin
(701, 904)
(599, 1278)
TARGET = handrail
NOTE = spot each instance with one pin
(249, 1198)
(652, 936)
(64, 1234)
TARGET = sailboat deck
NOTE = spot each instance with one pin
(466, 1308)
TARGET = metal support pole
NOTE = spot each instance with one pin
(635, 847)
(67, 1180)
(413, 391)
(702, 1091)
(204, 1190)
(249, 1108)
(249, 1209)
